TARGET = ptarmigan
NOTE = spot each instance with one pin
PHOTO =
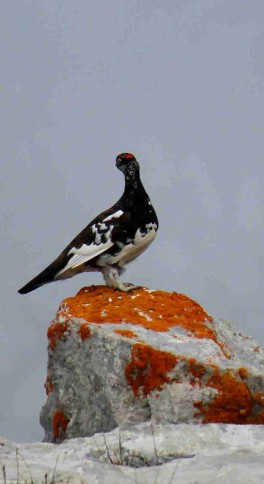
(111, 240)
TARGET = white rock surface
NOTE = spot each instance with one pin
(195, 454)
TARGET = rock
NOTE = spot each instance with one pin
(125, 358)
(142, 454)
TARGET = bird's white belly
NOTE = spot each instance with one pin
(129, 251)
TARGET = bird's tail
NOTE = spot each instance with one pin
(34, 284)
(47, 275)
(44, 277)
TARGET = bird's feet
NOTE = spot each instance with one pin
(126, 286)
(111, 277)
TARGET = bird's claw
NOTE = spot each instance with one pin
(126, 287)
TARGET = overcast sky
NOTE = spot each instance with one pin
(179, 83)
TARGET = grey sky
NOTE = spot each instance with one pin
(179, 84)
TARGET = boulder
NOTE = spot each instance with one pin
(125, 358)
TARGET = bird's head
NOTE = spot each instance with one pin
(128, 164)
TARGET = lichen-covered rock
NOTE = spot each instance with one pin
(123, 358)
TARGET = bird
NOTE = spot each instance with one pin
(111, 240)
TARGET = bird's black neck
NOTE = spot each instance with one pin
(134, 192)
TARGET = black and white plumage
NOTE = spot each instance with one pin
(112, 239)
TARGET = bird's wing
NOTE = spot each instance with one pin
(90, 243)
(84, 254)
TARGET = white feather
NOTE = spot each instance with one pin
(84, 254)
(114, 215)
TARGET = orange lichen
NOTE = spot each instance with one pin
(60, 423)
(197, 370)
(259, 398)
(84, 331)
(126, 332)
(256, 419)
(243, 373)
(48, 385)
(233, 401)
(57, 331)
(157, 310)
(148, 368)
